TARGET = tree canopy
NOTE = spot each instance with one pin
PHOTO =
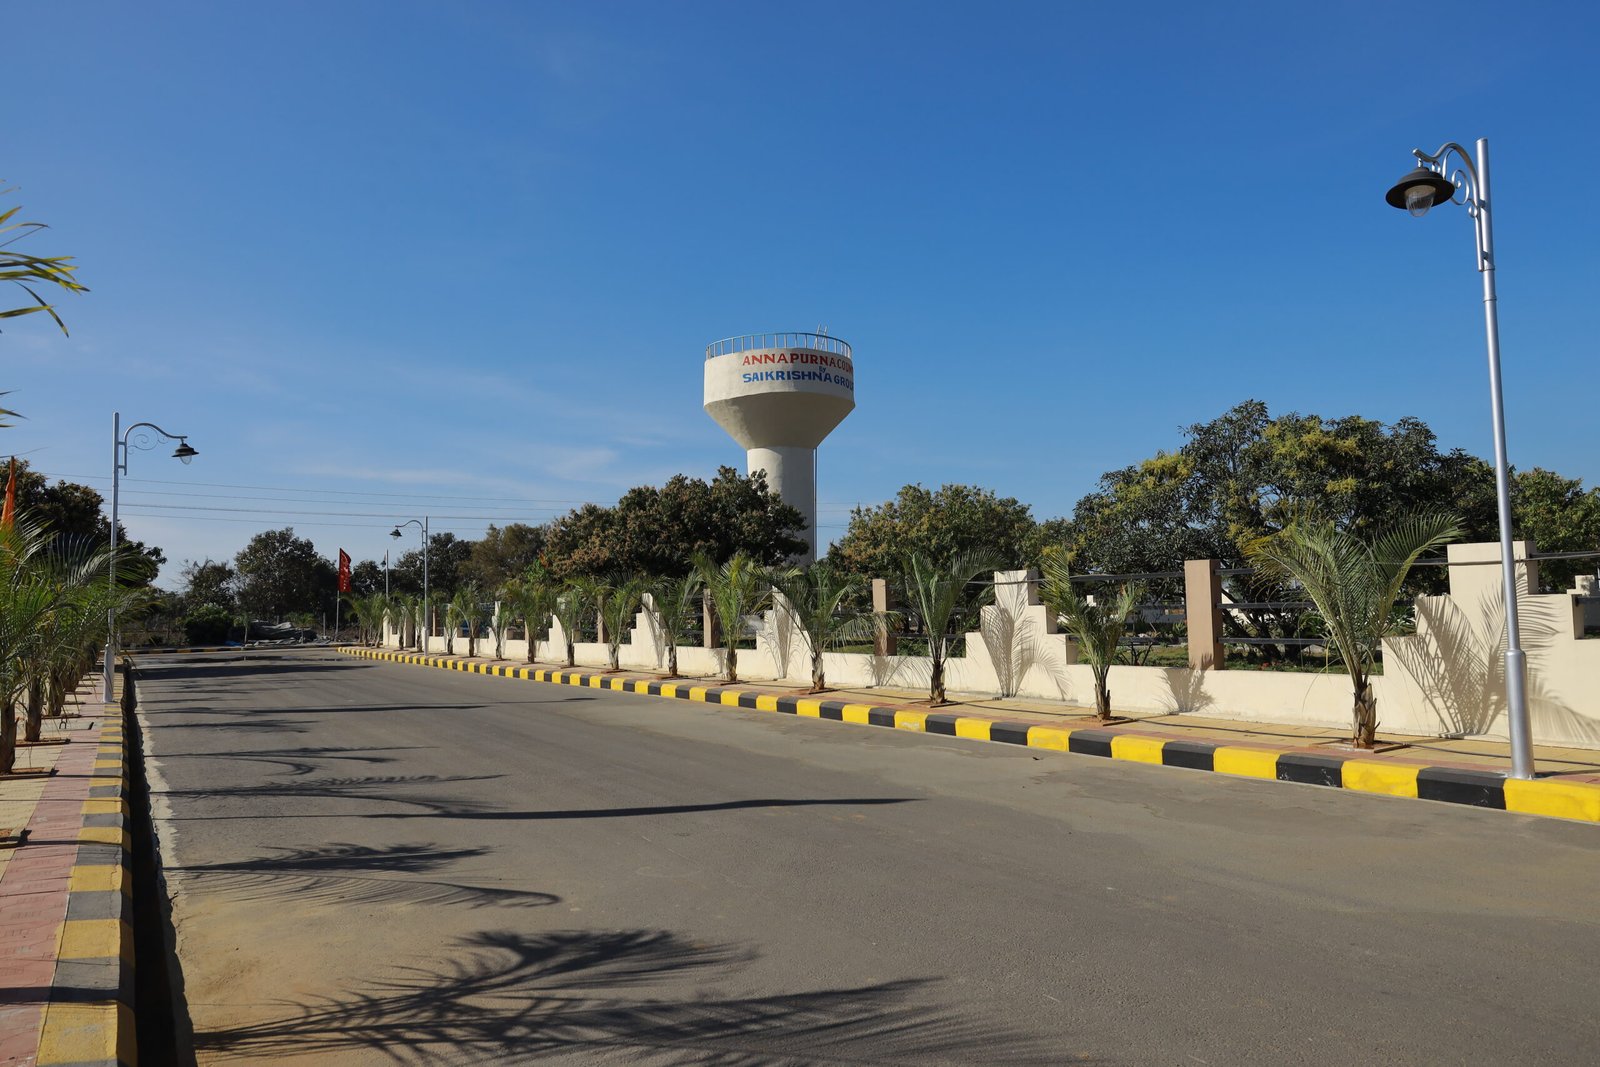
(447, 554)
(940, 524)
(74, 511)
(1247, 474)
(502, 554)
(280, 574)
(659, 530)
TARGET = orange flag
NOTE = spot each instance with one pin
(8, 516)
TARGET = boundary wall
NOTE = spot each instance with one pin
(1445, 681)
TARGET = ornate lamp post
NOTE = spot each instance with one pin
(422, 524)
(1468, 185)
(119, 466)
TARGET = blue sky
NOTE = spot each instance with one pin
(462, 259)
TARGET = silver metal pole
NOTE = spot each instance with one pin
(1517, 724)
(108, 685)
(427, 619)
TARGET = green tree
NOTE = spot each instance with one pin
(939, 524)
(207, 624)
(1246, 474)
(32, 273)
(465, 608)
(529, 600)
(71, 510)
(1558, 515)
(447, 554)
(825, 606)
(54, 595)
(1354, 582)
(280, 574)
(618, 607)
(1096, 626)
(402, 609)
(738, 588)
(503, 553)
(659, 530)
(574, 609)
(673, 603)
(937, 592)
(208, 584)
(366, 578)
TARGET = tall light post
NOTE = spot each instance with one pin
(422, 524)
(1418, 191)
(120, 440)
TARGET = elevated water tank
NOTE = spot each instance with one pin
(779, 395)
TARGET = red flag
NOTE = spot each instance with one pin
(8, 515)
(344, 571)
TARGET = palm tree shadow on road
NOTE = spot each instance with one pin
(514, 998)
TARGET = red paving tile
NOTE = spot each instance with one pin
(33, 899)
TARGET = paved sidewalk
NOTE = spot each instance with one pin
(65, 938)
(1466, 771)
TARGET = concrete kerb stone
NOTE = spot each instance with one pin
(1451, 784)
(88, 1019)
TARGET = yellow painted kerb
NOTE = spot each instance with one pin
(910, 720)
(974, 729)
(105, 835)
(1137, 749)
(88, 939)
(1376, 776)
(86, 1033)
(1051, 737)
(1564, 800)
(1249, 762)
(860, 714)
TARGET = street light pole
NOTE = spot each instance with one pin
(119, 467)
(1416, 193)
(422, 639)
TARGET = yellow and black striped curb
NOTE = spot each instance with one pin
(88, 1021)
(1456, 785)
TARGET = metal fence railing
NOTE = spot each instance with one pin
(754, 342)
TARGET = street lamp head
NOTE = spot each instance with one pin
(1420, 190)
(183, 451)
(395, 532)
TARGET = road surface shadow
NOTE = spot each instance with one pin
(664, 809)
(345, 873)
(385, 789)
(300, 761)
(608, 996)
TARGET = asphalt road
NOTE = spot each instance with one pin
(376, 862)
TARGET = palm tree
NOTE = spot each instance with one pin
(575, 602)
(530, 600)
(1354, 584)
(398, 610)
(671, 604)
(823, 605)
(737, 588)
(53, 595)
(1096, 627)
(28, 271)
(617, 610)
(466, 606)
(936, 590)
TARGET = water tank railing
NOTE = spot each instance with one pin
(751, 342)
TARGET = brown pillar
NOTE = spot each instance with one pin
(708, 622)
(884, 643)
(1202, 604)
